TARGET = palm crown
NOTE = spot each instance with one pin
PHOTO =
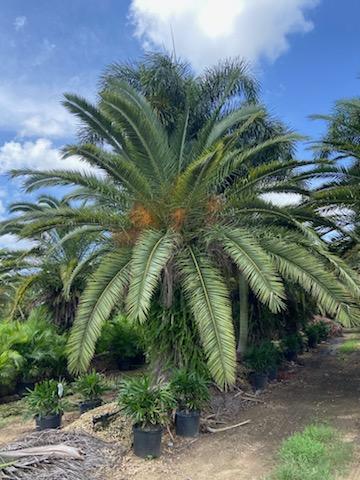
(178, 212)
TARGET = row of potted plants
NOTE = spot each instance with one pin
(148, 405)
(263, 360)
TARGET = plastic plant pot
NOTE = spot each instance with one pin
(272, 374)
(48, 421)
(147, 442)
(258, 381)
(187, 423)
(89, 405)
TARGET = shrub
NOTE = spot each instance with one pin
(46, 399)
(312, 333)
(191, 390)
(31, 350)
(91, 386)
(121, 338)
(292, 343)
(146, 404)
(314, 454)
(261, 358)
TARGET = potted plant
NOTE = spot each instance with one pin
(148, 406)
(291, 346)
(312, 333)
(45, 402)
(323, 331)
(259, 360)
(191, 392)
(275, 358)
(91, 387)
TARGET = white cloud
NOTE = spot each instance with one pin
(208, 30)
(13, 242)
(20, 22)
(34, 112)
(39, 155)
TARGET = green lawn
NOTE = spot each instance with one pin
(317, 453)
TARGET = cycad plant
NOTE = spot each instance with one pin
(182, 213)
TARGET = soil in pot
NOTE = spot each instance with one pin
(187, 423)
(272, 374)
(147, 443)
(290, 356)
(258, 381)
(89, 405)
(49, 421)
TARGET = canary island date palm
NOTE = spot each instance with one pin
(179, 214)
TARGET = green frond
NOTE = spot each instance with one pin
(117, 167)
(104, 291)
(298, 265)
(92, 117)
(150, 255)
(146, 139)
(206, 292)
(254, 263)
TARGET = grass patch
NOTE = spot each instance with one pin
(316, 453)
(350, 346)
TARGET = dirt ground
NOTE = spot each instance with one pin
(324, 388)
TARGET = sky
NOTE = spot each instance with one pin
(304, 53)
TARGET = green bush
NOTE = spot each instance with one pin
(191, 390)
(312, 333)
(46, 399)
(323, 330)
(121, 338)
(317, 453)
(292, 343)
(261, 358)
(91, 386)
(146, 404)
(31, 350)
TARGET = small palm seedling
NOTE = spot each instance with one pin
(45, 402)
(191, 392)
(91, 387)
(148, 406)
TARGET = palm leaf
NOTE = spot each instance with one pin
(208, 298)
(150, 255)
(103, 292)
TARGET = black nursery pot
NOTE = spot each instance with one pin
(290, 355)
(89, 405)
(258, 380)
(147, 443)
(49, 421)
(312, 342)
(272, 373)
(187, 423)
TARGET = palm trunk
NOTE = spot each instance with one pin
(244, 315)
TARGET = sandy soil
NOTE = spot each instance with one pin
(325, 388)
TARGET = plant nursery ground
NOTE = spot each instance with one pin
(323, 388)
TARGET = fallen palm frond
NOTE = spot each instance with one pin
(57, 455)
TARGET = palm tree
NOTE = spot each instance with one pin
(341, 143)
(180, 216)
(54, 271)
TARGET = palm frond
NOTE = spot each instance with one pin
(206, 292)
(150, 255)
(103, 292)
(254, 263)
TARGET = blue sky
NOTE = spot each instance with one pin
(304, 52)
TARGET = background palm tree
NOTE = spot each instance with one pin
(340, 197)
(180, 217)
(54, 271)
